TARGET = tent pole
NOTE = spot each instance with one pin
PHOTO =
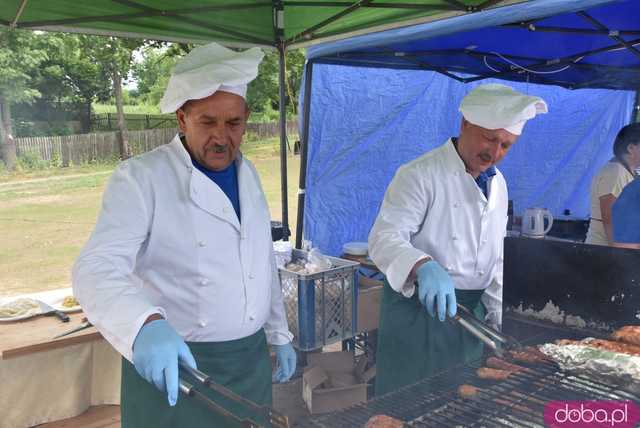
(304, 147)
(283, 148)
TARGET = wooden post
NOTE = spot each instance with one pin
(65, 151)
(123, 136)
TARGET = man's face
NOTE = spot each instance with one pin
(481, 148)
(213, 128)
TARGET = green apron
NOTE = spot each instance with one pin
(412, 345)
(242, 365)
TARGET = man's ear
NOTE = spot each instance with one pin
(181, 118)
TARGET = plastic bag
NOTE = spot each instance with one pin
(282, 251)
(317, 262)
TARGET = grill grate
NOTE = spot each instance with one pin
(518, 401)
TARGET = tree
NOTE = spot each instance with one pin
(152, 74)
(115, 56)
(69, 76)
(264, 92)
(20, 58)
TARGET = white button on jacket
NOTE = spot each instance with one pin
(416, 220)
(164, 227)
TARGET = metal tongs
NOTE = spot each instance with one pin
(276, 419)
(498, 342)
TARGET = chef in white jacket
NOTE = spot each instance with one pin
(180, 266)
(438, 239)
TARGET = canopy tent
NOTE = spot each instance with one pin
(279, 24)
(232, 22)
(595, 45)
(362, 120)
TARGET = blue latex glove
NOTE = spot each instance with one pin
(156, 352)
(435, 286)
(286, 357)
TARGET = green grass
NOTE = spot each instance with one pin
(48, 173)
(47, 215)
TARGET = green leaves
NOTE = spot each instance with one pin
(264, 92)
(20, 57)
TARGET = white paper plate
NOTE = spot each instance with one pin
(35, 312)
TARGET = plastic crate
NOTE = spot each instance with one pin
(321, 307)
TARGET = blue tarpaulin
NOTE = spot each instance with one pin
(367, 121)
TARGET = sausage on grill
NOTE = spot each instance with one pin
(628, 334)
(383, 421)
(498, 363)
(468, 391)
(493, 374)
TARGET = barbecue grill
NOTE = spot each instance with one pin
(599, 284)
(518, 401)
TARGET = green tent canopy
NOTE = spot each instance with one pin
(292, 23)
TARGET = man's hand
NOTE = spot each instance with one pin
(436, 287)
(286, 356)
(156, 352)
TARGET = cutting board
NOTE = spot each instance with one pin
(35, 335)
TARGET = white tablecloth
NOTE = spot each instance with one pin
(58, 383)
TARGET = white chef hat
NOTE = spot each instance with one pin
(207, 69)
(496, 106)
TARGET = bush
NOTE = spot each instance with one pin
(41, 129)
(23, 128)
(268, 115)
(31, 160)
(56, 160)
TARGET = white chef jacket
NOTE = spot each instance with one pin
(168, 241)
(433, 207)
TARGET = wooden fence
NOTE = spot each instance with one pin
(260, 131)
(103, 146)
(109, 122)
(100, 147)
